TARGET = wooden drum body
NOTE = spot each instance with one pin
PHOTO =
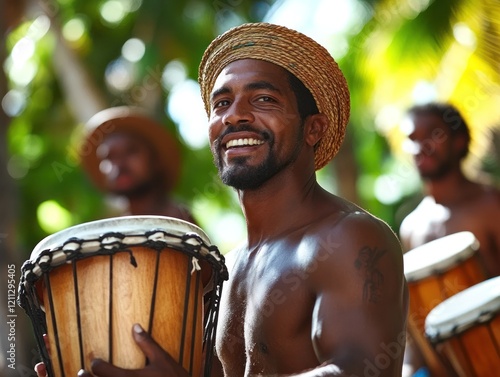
(436, 271)
(87, 285)
(465, 330)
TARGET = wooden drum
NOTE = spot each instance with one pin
(436, 271)
(465, 330)
(87, 285)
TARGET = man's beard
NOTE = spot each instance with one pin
(140, 189)
(241, 176)
(439, 172)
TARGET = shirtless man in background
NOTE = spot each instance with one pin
(439, 138)
(453, 203)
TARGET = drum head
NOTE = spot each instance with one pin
(125, 225)
(476, 304)
(439, 255)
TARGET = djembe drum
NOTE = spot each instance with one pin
(436, 271)
(87, 285)
(465, 330)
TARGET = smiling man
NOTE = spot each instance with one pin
(317, 288)
(237, 142)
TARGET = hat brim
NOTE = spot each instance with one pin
(307, 60)
(135, 121)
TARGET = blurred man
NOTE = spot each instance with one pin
(439, 138)
(130, 156)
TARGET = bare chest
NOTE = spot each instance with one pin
(265, 318)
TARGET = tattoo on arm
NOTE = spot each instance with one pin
(366, 263)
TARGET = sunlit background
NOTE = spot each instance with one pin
(65, 60)
(395, 54)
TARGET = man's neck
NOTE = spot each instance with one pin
(448, 189)
(152, 202)
(277, 207)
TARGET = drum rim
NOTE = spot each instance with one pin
(441, 324)
(123, 224)
(123, 233)
(415, 270)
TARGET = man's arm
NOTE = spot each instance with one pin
(492, 220)
(359, 319)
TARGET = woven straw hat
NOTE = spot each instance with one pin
(135, 121)
(310, 62)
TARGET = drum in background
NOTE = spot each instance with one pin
(465, 330)
(87, 285)
(436, 271)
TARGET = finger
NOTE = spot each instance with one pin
(102, 368)
(147, 344)
(47, 343)
(40, 370)
(84, 373)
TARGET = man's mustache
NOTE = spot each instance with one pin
(117, 172)
(266, 135)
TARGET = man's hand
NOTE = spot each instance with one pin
(160, 362)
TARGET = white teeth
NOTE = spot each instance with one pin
(239, 142)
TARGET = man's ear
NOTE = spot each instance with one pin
(314, 128)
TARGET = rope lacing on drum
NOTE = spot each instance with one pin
(196, 265)
(111, 242)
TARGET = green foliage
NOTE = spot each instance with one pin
(384, 60)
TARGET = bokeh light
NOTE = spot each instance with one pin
(74, 29)
(185, 107)
(113, 12)
(13, 102)
(174, 73)
(133, 50)
(53, 217)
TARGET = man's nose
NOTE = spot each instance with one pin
(239, 112)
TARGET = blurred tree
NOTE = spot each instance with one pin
(10, 17)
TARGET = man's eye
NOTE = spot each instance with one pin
(265, 99)
(221, 103)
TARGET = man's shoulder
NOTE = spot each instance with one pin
(348, 214)
(348, 246)
(354, 227)
(334, 212)
(490, 196)
(368, 227)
